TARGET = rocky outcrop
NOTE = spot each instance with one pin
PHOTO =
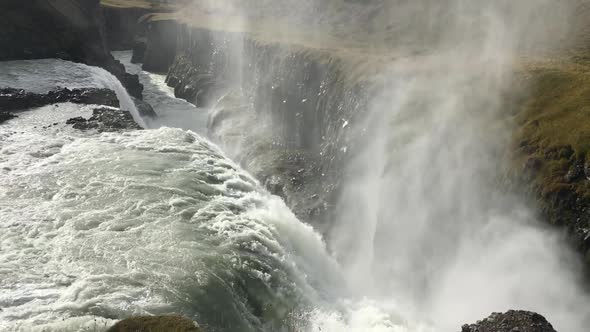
(18, 99)
(105, 120)
(5, 116)
(511, 321)
(66, 29)
(155, 323)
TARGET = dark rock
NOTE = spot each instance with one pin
(161, 46)
(139, 48)
(144, 108)
(123, 26)
(18, 99)
(66, 29)
(155, 323)
(106, 120)
(511, 321)
(5, 116)
(191, 82)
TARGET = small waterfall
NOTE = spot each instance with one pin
(41, 76)
(108, 80)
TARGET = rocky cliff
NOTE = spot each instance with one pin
(66, 29)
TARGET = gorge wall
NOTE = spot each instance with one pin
(66, 29)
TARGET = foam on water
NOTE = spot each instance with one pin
(100, 226)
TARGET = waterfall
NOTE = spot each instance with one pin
(108, 80)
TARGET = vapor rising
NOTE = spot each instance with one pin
(424, 220)
(425, 229)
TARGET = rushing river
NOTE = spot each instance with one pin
(101, 226)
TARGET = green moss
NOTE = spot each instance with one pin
(555, 116)
(155, 324)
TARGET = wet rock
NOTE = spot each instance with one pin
(139, 48)
(144, 109)
(575, 173)
(155, 323)
(511, 321)
(105, 120)
(5, 116)
(191, 82)
(18, 99)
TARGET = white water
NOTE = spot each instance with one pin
(425, 233)
(101, 226)
(171, 111)
(42, 76)
(424, 220)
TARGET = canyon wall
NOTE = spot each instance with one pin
(66, 29)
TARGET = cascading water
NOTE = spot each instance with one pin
(41, 76)
(100, 226)
(424, 228)
(424, 220)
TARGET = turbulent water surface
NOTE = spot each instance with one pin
(101, 226)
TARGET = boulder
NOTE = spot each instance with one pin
(105, 120)
(511, 321)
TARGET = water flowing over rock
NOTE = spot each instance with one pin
(344, 166)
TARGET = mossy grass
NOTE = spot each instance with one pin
(552, 137)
